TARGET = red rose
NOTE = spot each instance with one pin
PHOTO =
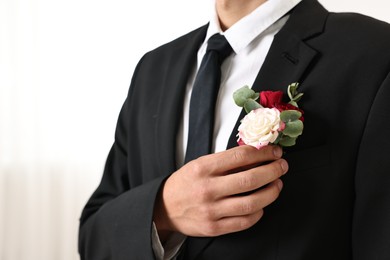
(283, 106)
(269, 99)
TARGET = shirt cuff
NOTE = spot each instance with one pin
(170, 249)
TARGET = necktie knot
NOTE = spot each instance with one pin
(218, 43)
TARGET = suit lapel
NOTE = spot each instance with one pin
(289, 57)
(287, 61)
(178, 67)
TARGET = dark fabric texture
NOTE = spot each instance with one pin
(335, 203)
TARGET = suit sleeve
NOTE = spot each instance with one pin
(117, 220)
(371, 225)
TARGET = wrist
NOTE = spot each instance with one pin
(160, 218)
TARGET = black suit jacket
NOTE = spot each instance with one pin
(335, 203)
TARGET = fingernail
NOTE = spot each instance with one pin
(278, 151)
(284, 165)
(280, 184)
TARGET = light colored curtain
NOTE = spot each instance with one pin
(65, 68)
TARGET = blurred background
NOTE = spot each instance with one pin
(65, 69)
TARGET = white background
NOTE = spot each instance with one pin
(65, 68)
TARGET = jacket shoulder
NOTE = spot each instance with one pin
(358, 25)
(354, 34)
(196, 35)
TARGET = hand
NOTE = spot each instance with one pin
(220, 193)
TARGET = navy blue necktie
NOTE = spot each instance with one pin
(204, 96)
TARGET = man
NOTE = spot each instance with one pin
(334, 201)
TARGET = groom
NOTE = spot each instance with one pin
(327, 197)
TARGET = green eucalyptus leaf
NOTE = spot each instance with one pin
(290, 95)
(292, 89)
(241, 95)
(290, 115)
(292, 102)
(287, 141)
(297, 97)
(293, 128)
(250, 105)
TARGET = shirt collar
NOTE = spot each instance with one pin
(249, 27)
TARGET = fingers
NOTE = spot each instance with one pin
(240, 212)
(230, 225)
(248, 204)
(235, 158)
(250, 179)
(208, 196)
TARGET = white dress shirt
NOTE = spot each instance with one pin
(250, 38)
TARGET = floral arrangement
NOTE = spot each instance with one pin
(269, 121)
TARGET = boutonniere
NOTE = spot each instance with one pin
(269, 121)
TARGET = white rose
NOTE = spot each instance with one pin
(259, 127)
